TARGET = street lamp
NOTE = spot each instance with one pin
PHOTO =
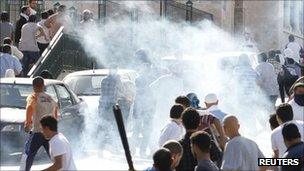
(189, 5)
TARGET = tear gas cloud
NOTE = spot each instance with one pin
(117, 41)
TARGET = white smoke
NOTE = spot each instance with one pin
(117, 40)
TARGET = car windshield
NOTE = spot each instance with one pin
(85, 85)
(14, 95)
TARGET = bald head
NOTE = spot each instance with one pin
(231, 126)
(230, 119)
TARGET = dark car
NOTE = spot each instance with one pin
(14, 92)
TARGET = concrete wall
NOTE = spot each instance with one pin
(222, 12)
(261, 20)
(265, 21)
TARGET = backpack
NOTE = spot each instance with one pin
(289, 73)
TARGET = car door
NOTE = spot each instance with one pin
(50, 89)
(69, 109)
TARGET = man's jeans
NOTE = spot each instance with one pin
(29, 59)
(32, 145)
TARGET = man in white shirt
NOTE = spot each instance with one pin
(297, 103)
(174, 129)
(7, 61)
(246, 76)
(211, 103)
(33, 6)
(28, 43)
(15, 51)
(295, 47)
(7, 28)
(60, 150)
(42, 42)
(284, 115)
(240, 153)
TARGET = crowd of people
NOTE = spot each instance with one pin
(208, 138)
(239, 152)
(190, 141)
(28, 38)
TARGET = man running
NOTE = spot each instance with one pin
(38, 104)
(60, 150)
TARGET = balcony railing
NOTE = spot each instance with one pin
(64, 53)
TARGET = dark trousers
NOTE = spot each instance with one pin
(29, 59)
(107, 126)
(42, 47)
(284, 87)
(32, 145)
(142, 126)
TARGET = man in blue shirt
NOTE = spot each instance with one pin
(295, 147)
(201, 146)
(111, 91)
(7, 61)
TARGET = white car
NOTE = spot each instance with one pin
(14, 92)
(86, 84)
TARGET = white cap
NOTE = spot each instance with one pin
(211, 98)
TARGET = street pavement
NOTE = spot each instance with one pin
(88, 161)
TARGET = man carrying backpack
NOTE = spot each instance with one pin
(289, 74)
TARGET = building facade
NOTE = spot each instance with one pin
(269, 22)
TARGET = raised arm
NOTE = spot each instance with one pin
(41, 33)
(30, 109)
(218, 126)
(49, 21)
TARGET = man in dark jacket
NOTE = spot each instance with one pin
(286, 78)
(191, 121)
(24, 16)
(295, 147)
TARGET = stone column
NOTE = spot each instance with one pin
(297, 7)
(287, 15)
(302, 17)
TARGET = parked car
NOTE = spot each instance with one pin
(14, 92)
(87, 84)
